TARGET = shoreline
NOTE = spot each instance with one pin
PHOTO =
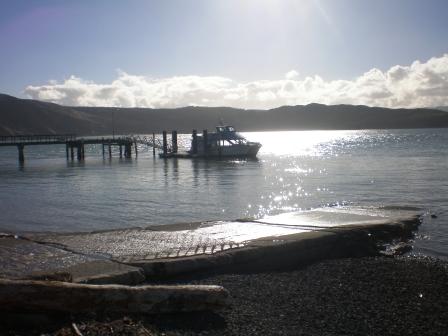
(272, 281)
(349, 296)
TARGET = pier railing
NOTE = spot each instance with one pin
(149, 141)
(33, 139)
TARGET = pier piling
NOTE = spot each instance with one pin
(174, 141)
(78, 152)
(128, 150)
(164, 144)
(194, 144)
(20, 147)
(81, 151)
(153, 147)
(205, 141)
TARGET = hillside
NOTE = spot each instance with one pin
(23, 116)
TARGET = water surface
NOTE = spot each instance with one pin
(295, 171)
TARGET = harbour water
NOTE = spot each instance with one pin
(295, 171)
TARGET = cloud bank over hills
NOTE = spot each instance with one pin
(416, 85)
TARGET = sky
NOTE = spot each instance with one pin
(239, 53)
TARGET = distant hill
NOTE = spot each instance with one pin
(442, 108)
(23, 116)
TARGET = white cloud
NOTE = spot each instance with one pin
(293, 74)
(416, 85)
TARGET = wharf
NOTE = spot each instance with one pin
(72, 143)
(132, 256)
(167, 144)
(126, 144)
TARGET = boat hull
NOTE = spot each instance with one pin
(240, 150)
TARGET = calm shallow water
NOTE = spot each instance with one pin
(295, 171)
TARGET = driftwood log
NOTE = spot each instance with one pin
(52, 296)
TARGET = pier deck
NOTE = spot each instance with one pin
(49, 139)
(73, 142)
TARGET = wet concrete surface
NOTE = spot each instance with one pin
(20, 257)
(24, 259)
(123, 256)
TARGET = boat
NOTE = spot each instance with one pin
(225, 142)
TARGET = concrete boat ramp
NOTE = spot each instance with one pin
(137, 255)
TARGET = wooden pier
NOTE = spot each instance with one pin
(75, 146)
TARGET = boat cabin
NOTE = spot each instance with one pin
(224, 142)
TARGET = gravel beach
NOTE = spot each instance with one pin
(362, 296)
(365, 296)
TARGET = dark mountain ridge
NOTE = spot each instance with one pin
(24, 116)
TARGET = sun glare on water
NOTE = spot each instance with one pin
(299, 143)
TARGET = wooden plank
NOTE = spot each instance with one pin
(52, 296)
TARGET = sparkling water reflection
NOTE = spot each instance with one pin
(295, 171)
